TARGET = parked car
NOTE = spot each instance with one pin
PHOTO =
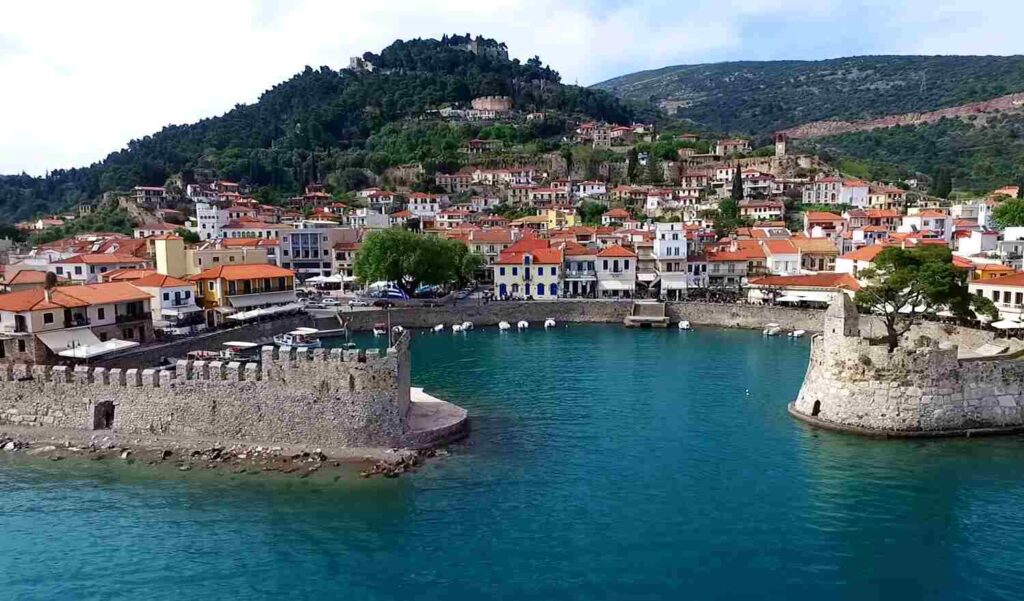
(358, 302)
(383, 303)
(330, 302)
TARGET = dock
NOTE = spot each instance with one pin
(647, 314)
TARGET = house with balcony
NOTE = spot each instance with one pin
(670, 251)
(1007, 293)
(579, 273)
(816, 254)
(616, 272)
(88, 268)
(529, 268)
(73, 322)
(731, 265)
(173, 305)
(227, 289)
(782, 257)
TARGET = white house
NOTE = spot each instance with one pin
(616, 272)
(174, 305)
(1007, 293)
(670, 254)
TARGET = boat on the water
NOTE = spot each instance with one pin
(380, 329)
(299, 338)
(684, 325)
(232, 351)
(797, 334)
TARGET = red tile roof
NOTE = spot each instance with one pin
(616, 251)
(843, 281)
(865, 253)
(159, 280)
(243, 272)
(1014, 280)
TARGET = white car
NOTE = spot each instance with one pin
(330, 302)
(358, 302)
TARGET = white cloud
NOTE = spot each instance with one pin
(80, 79)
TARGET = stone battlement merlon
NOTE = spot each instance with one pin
(200, 370)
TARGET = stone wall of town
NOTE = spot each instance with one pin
(331, 398)
(921, 388)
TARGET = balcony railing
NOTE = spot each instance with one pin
(580, 273)
(129, 318)
(76, 322)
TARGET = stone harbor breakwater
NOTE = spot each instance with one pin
(292, 398)
(920, 389)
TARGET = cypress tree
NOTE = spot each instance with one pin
(737, 184)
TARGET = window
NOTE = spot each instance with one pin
(1020, 298)
(209, 285)
(554, 271)
(540, 271)
(231, 259)
(553, 289)
(515, 271)
(59, 270)
(47, 317)
(501, 271)
(604, 265)
(187, 295)
(167, 296)
(995, 295)
(78, 270)
(216, 259)
(21, 346)
(540, 289)
(101, 313)
(625, 264)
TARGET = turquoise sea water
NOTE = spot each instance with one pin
(604, 463)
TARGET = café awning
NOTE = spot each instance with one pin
(266, 298)
(95, 350)
(62, 340)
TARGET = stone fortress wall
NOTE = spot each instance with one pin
(331, 398)
(920, 389)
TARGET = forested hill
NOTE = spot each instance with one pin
(756, 98)
(316, 122)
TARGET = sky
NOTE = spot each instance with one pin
(80, 79)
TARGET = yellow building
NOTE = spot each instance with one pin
(169, 251)
(557, 218)
(231, 288)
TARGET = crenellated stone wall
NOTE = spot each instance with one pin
(334, 398)
(921, 388)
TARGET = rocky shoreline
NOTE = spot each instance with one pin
(231, 458)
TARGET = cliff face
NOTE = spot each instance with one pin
(818, 129)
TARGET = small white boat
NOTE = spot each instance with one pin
(397, 329)
(772, 331)
(504, 325)
(380, 329)
(549, 323)
(684, 325)
(797, 334)
(456, 327)
(467, 325)
(299, 338)
(522, 325)
(439, 327)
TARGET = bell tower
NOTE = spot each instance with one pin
(841, 319)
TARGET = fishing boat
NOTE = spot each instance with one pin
(549, 323)
(772, 329)
(504, 325)
(797, 334)
(232, 351)
(299, 338)
(684, 325)
(380, 329)
(522, 325)
(439, 327)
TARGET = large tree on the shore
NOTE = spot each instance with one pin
(409, 260)
(904, 285)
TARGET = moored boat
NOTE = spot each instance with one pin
(299, 338)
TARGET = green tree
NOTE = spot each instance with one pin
(590, 212)
(903, 285)
(737, 184)
(1009, 213)
(631, 165)
(655, 174)
(187, 235)
(943, 183)
(409, 260)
